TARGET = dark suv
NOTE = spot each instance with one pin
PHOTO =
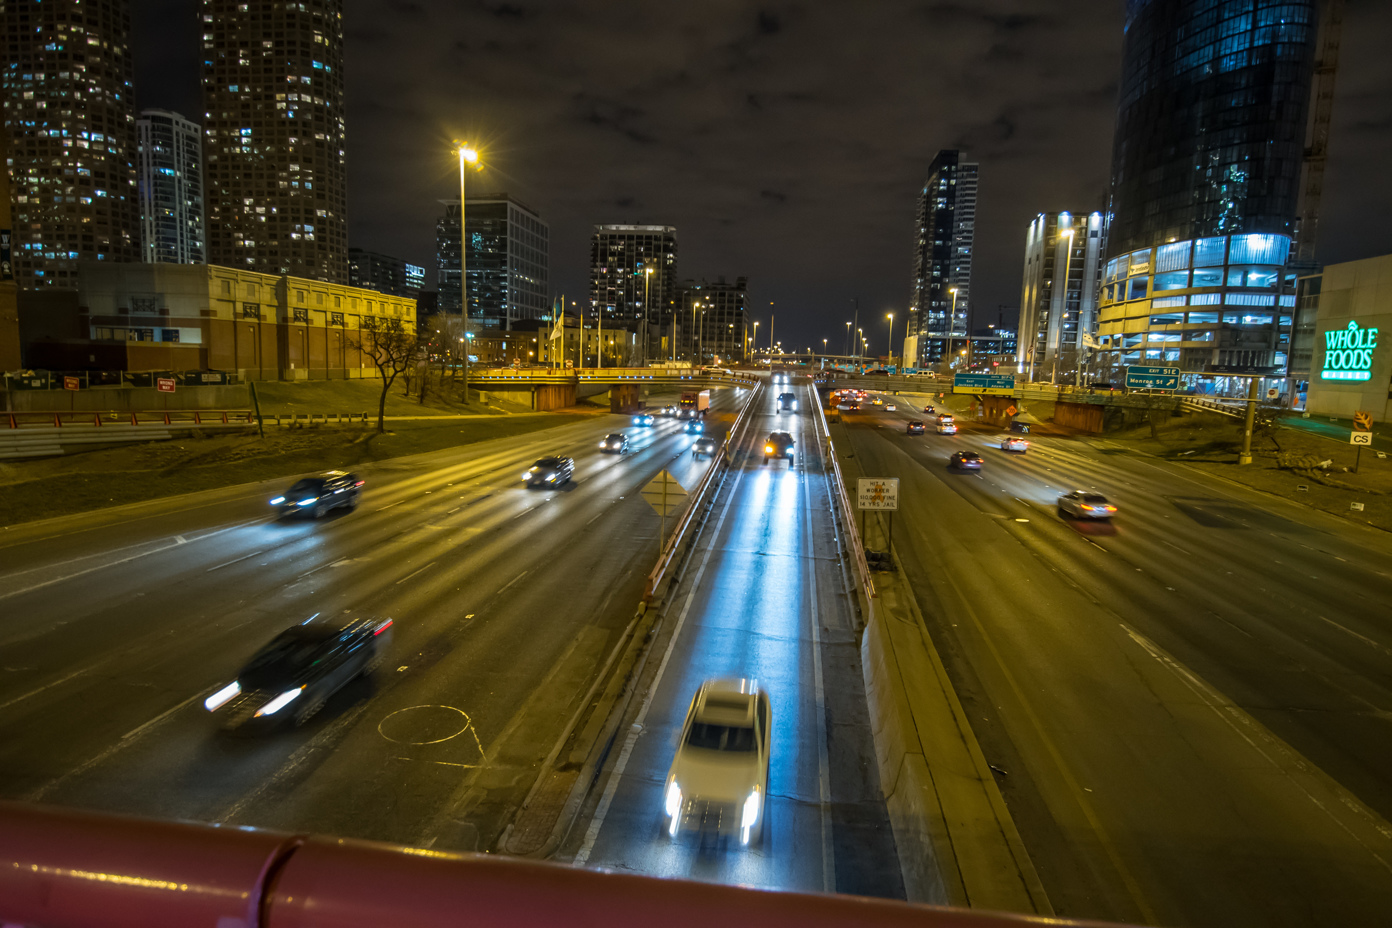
(316, 496)
(787, 402)
(550, 472)
(291, 678)
(779, 445)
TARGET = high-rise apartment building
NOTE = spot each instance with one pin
(633, 272)
(1206, 167)
(385, 274)
(1057, 320)
(274, 136)
(169, 172)
(70, 117)
(714, 316)
(940, 303)
(509, 261)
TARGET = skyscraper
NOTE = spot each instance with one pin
(509, 261)
(274, 136)
(621, 257)
(170, 185)
(70, 117)
(941, 300)
(1057, 321)
(1206, 167)
(714, 315)
(383, 273)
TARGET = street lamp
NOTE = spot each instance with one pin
(755, 348)
(467, 156)
(848, 339)
(891, 338)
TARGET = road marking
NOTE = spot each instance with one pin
(49, 686)
(602, 810)
(412, 574)
(230, 563)
(83, 573)
(1368, 641)
(512, 581)
(1096, 545)
(397, 503)
(823, 764)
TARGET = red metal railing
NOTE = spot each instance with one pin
(67, 869)
(40, 420)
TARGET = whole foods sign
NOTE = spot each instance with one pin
(1348, 353)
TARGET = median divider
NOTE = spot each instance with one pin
(572, 768)
(956, 841)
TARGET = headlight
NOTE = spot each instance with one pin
(280, 702)
(768, 449)
(277, 501)
(750, 815)
(551, 477)
(527, 475)
(220, 698)
(308, 501)
(671, 802)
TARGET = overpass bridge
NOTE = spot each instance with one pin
(547, 388)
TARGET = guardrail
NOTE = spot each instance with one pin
(70, 869)
(611, 375)
(175, 417)
(1203, 404)
(719, 464)
(843, 504)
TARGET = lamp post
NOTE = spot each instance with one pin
(848, 339)
(754, 349)
(467, 156)
(891, 338)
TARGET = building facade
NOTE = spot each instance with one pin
(169, 182)
(275, 178)
(633, 273)
(189, 317)
(385, 274)
(1350, 367)
(69, 116)
(940, 301)
(509, 261)
(1206, 168)
(713, 317)
(1058, 320)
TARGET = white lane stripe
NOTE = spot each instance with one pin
(413, 573)
(823, 763)
(82, 573)
(592, 833)
(512, 581)
(234, 561)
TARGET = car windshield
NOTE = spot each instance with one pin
(306, 486)
(285, 659)
(615, 437)
(736, 738)
(1093, 498)
(548, 463)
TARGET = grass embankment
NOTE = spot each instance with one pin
(133, 473)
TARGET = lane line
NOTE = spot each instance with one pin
(93, 569)
(610, 788)
(1366, 640)
(390, 505)
(504, 587)
(823, 762)
(413, 573)
(234, 561)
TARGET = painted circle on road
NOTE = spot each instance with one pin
(424, 724)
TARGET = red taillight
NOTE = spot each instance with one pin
(359, 483)
(383, 627)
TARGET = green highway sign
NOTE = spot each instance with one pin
(1152, 378)
(988, 384)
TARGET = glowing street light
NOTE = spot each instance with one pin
(467, 156)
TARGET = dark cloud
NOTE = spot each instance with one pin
(785, 140)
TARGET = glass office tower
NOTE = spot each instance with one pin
(1206, 168)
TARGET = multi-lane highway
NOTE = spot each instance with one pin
(1189, 707)
(115, 626)
(763, 596)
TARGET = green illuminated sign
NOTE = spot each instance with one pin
(1348, 353)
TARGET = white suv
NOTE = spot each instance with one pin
(718, 783)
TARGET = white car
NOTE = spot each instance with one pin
(890, 407)
(1014, 443)
(947, 428)
(1084, 505)
(718, 783)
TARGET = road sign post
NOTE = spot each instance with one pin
(878, 494)
(664, 494)
(1359, 440)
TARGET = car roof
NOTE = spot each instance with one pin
(727, 702)
(616, 435)
(780, 435)
(550, 461)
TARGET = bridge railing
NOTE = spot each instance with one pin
(69, 869)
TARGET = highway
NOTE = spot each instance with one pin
(115, 625)
(763, 596)
(1187, 707)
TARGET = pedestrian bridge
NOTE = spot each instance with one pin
(550, 388)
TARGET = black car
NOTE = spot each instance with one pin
(317, 496)
(778, 445)
(694, 427)
(614, 443)
(291, 678)
(703, 447)
(965, 460)
(915, 427)
(550, 472)
(787, 402)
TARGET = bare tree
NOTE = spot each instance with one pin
(393, 349)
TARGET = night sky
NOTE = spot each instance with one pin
(787, 142)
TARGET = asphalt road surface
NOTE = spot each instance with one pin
(1188, 706)
(115, 626)
(763, 596)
